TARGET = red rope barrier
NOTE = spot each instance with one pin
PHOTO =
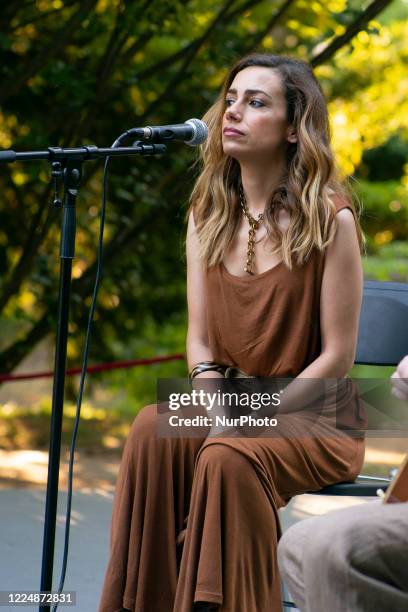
(100, 367)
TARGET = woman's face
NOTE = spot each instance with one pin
(254, 125)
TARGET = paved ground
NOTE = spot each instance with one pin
(22, 520)
(22, 495)
(21, 517)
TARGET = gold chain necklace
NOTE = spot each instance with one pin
(253, 226)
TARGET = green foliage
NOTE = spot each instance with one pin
(389, 265)
(384, 213)
(132, 389)
(385, 162)
(101, 430)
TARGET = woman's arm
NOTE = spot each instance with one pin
(340, 303)
(197, 344)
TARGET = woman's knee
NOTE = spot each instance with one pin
(144, 425)
(224, 458)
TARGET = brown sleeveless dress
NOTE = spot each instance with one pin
(196, 519)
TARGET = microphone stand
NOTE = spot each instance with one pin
(66, 164)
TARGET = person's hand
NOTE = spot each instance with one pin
(213, 383)
(399, 380)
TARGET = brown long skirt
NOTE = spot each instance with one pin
(196, 519)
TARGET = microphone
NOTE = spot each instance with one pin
(193, 132)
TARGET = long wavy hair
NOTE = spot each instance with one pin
(310, 180)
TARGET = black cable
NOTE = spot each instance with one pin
(98, 276)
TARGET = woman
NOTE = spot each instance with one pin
(274, 288)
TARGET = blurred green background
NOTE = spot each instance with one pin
(79, 72)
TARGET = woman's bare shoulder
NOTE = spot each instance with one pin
(340, 201)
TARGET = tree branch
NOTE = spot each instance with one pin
(12, 356)
(107, 65)
(34, 239)
(359, 24)
(168, 61)
(259, 36)
(36, 235)
(42, 15)
(83, 286)
(60, 39)
(142, 40)
(169, 89)
(9, 11)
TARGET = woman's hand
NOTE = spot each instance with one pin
(399, 380)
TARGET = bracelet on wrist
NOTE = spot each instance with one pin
(206, 366)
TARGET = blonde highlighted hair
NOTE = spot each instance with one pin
(307, 188)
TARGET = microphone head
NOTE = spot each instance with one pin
(200, 132)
